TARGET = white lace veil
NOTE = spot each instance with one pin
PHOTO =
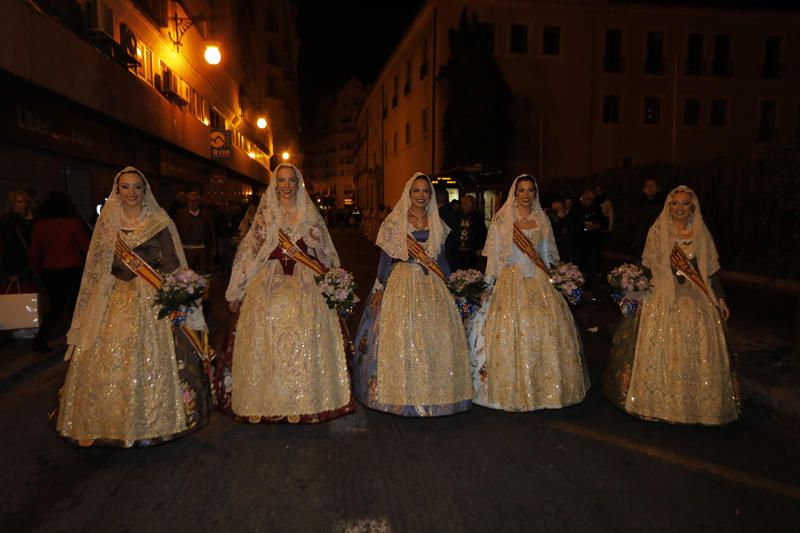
(262, 237)
(661, 240)
(500, 238)
(393, 231)
(97, 281)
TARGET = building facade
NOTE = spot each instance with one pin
(596, 84)
(330, 146)
(93, 86)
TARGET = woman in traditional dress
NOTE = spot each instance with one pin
(133, 380)
(525, 349)
(285, 361)
(670, 360)
(411, 357)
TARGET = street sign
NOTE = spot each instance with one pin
(220, 143)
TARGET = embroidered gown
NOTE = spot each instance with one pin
(141, 383)
(285, 361)
(411, 356)
(525, 348)
(670, 360)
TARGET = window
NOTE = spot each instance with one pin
(551, 40)
(408, 133)
(487, 30)
(394, 93)
(719, 110)
(652, 110)
(423, 68)
(772, 58)
(217, 120)
(425, 121)
(694, 54)
(720, 64)
(407, 84)
(611, 109)
(691, 112)
(766, 126)
(612, 61)
(519, 39)
(653, 61)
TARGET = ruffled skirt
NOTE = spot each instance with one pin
(525, 349)
(671, 362)
(285, 360)
(140, 384)
(411, 355)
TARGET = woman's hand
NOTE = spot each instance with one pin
(234, 306)
(723, 309)
(376, 301)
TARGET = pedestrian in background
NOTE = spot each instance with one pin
(196, 228)
(59, 244)
(557, 214)
(471, 234)
(16, 228)
(646, 213)
(588, 224)
(449, 216)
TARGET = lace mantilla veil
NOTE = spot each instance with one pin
(97, 282)
(262, 237)
(662, 238)
(501, 231)
(393, 231)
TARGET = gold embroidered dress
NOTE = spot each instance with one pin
(133, 380)
(671, 362)
(525, 348)
(286, 360)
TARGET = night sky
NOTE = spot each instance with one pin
(342, 39)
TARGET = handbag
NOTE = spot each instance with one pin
(18, 309)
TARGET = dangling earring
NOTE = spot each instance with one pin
(515, 202)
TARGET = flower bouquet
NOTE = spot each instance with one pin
(467, 287)
(338, 289)
(629, 286)
(568, 280)
(179, 294)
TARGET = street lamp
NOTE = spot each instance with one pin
(261, 123)
(285, 156)
(212, 54)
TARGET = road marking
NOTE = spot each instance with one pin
(363, 525)
(724, 472)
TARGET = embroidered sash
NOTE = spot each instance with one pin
(683, 267)
(418, 252)
(526, 247)
(137, 265)
(293, 251)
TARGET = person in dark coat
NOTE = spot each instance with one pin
(16, 227)
(450, 217)
(588, 223)
(471, 230)
(196, 228)
(646, 213)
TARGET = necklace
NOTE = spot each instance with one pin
(526, 219)
(130, 223)
(419, 223)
